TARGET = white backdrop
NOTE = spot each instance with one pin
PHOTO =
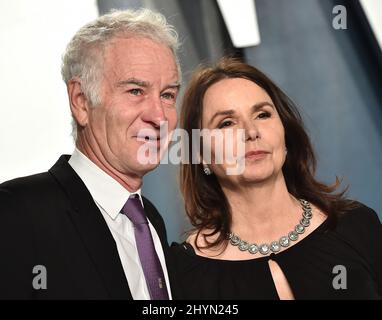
(35, 122)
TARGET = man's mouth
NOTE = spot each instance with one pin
(148, 139)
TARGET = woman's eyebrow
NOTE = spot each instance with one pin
(230, 112)
(221, 113)
(259, 105)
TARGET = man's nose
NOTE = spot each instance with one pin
(155, 113)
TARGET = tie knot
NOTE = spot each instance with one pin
(134, 211)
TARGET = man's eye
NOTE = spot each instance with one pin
(264, 115)
(168, 96)
(135, 92)
(225, 124)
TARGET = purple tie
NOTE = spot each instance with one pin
(151, 266)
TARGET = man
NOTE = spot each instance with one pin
(79, 231)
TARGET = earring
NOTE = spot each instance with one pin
(207, 171)
(286, 151)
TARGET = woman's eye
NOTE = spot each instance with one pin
(264, 115)
(225, 124)
(135, 92)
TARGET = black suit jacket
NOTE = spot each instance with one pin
(50, 219)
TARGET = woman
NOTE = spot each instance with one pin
(271, 231)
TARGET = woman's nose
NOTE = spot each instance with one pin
(251, 132)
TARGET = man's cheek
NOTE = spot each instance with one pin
(173, 120)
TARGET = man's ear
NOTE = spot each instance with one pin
(79, 104)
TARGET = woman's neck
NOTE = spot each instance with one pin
(263, 209)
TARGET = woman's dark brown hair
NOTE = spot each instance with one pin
(206, 205)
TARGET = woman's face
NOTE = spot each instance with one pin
(236, 103)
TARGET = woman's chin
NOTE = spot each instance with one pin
(255, 177)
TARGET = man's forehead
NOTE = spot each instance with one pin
(146, 75)
(140, 60)
(139, 48)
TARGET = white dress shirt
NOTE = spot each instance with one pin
(110, 197)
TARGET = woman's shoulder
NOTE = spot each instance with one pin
(361, 228)
(180, 246)
(187, 246)
(196, 245)
(184, 246)
(361, 217)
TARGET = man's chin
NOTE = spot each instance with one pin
(147, 167)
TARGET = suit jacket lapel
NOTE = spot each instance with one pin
(157, 221)
(93, 230)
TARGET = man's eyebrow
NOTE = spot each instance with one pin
(230, 112)
(175, 85)
(135, 81)
(145, 84)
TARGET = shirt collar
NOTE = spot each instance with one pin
(108, 193)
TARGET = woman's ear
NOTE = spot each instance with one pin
(79, 104)
(206, 168)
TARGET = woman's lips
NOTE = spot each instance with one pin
(255, 155)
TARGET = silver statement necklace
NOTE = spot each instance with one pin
(284, 241)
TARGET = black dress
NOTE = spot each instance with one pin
(355, 245)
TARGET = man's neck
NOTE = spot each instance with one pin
(130, 182)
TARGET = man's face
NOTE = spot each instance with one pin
(138, 92)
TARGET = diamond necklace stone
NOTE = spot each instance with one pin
(283, 242)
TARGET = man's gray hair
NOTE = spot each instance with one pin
(83, 56)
